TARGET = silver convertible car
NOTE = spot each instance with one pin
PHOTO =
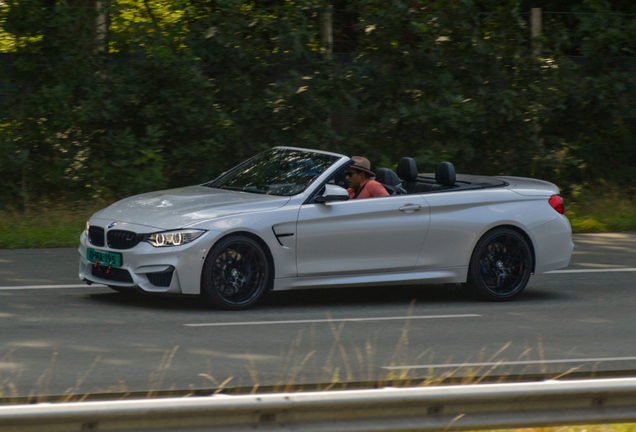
(283, 220)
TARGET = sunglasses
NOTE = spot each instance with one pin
(350, 173)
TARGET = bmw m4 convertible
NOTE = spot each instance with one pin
(283, 220)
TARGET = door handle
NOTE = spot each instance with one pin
(410, 208)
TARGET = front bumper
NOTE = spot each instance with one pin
(175, 269)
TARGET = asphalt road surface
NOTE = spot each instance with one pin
(61, 337)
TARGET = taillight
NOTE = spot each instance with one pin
(557, 203)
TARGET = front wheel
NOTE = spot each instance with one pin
(236, 273)
(501, 265)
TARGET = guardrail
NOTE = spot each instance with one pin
(445, 408)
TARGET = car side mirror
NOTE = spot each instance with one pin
(332, 193)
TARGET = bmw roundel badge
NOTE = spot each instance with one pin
(112, 224)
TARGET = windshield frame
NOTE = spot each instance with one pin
(277, 189)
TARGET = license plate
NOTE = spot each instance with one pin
(112, 259)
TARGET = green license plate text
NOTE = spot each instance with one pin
(106, 258)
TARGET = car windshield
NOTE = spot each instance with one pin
(281, 172)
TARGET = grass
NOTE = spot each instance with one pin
(590, 428)
(346, 367)
(46, 225)
(53, 225)
(602, 211)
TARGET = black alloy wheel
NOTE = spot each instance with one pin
(501, 265)
(236, 273)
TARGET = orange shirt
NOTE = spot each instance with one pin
(372, 188)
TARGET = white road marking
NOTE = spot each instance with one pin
(28, 287)
(513, 363)
(244, 323)
(606, 270)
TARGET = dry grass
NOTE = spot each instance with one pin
(630, 427)
(345, 366)
(355, 364)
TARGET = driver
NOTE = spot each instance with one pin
(360, 183)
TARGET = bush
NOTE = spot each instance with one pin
(189, 88)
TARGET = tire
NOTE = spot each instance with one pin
(501, 265)
(236, 273)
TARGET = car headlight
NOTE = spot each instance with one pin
(174, 238)
(88, 225)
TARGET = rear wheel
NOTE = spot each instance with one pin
(236, 273)
(501, 265)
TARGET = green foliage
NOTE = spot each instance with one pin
(606, 36)
(466, 89)
(188, 88)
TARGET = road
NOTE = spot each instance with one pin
(60, 337)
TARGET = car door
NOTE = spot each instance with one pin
(360, 236)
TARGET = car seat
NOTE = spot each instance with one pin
(445, 176)
(390, 181)
(407, 172)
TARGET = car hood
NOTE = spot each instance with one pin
(178, 208)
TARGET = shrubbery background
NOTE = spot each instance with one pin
(188, 88)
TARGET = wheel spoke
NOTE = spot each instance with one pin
(238, 272)
(503, 264)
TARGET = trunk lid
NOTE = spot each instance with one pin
(530, 187)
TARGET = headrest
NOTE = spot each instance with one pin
(387, 177)
(407, 169)
(445, 174)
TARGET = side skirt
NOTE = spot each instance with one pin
(436, 276)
